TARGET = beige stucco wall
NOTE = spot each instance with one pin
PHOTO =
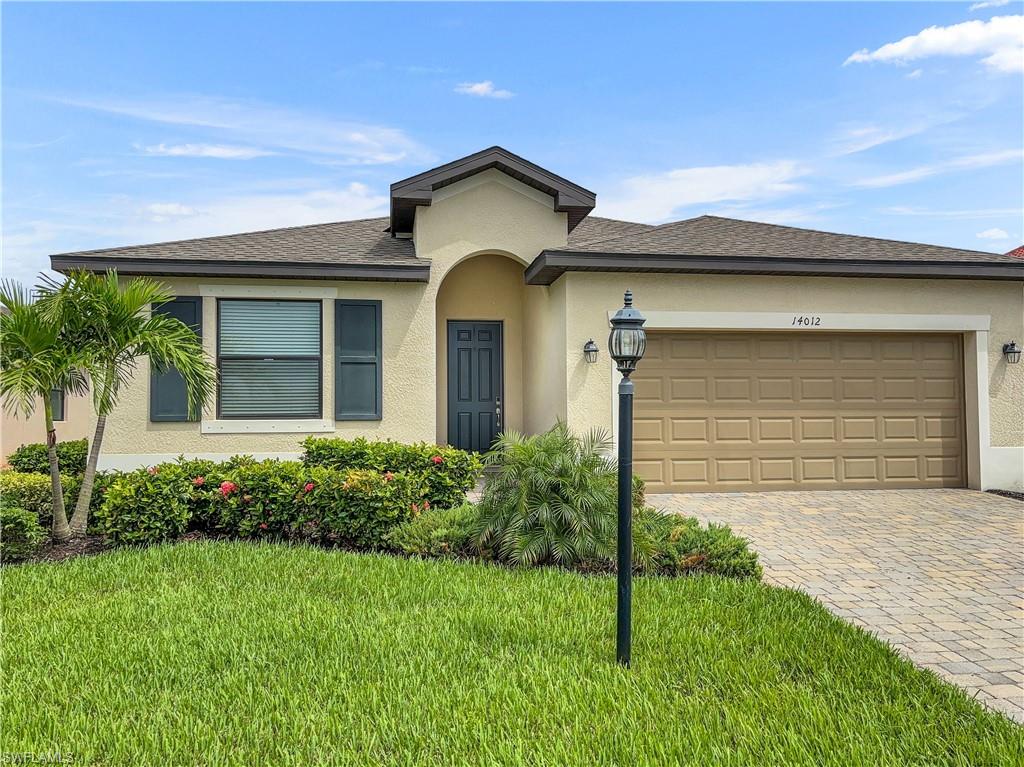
(16, 430)
(590, 296)
(407, 352)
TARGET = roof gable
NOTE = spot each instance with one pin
(410, 193)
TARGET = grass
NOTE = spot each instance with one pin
(231, 653)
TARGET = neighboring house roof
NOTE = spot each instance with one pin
(355, 250)
(726, 245)
(409, 193)
(1017, 252)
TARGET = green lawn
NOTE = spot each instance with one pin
(267, 655)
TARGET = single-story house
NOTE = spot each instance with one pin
(777, 357)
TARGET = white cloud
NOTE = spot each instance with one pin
(970, 162)
(993, 234)
(263, 125)
(964, 213)
(162, 211)
(999, 41)
(988, 4)
(217, 151)
(654, 197)
(915, 75)
(484, 89)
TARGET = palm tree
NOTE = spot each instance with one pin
(36, 357)
(114, 328)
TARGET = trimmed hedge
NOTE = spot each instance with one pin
(448, 473)
(245, 498)
(439, 533)
(32, 458)
(21, 535)
(31, 491)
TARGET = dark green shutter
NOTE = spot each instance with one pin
(168, 399)
(358, 362)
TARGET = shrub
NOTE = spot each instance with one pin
(439, 533)
(147, 506)
(285, 499)
(681, 546)
(32, 458)
(21, 535)
(32, 492)
(448, 473)
(246, 498)
(552, 498)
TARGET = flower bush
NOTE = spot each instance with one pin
(243, 498)
(448, 473)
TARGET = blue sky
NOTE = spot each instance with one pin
(138, 123)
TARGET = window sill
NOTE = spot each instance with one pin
(268, 426)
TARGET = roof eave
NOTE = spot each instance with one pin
(262, 270)
(551, 264)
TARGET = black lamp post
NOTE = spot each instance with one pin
(626, 344)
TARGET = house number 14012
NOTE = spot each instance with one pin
(806, 321)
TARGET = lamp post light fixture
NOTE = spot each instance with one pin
(1012, 352)
(626, 344)
(590, 351)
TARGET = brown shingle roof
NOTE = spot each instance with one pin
(359, 250)
(716, 236)
(595, 229)
(363, 241)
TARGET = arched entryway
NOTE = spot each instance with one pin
(479, 375)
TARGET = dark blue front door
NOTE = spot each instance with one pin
(474, 384)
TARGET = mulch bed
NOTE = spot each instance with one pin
(1015, 494)
(76, 547)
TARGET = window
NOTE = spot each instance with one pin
(358, 368)
(57, 402)
(269, 359)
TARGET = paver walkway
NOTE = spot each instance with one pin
(938, 573)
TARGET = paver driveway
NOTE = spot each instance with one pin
(938, 573)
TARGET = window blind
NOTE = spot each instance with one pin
(269, 359)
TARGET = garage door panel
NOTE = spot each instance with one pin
(784, 411)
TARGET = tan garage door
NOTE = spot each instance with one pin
(787, 411)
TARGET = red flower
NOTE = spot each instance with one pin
(437, 459)
(263, 526)
(226, 488)
(388, 476)
(199, 481)
(309, 487)
(426, 504)
(153, 470)
(415, 508)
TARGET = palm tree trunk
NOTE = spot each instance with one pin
(80, 519)
(61, 531)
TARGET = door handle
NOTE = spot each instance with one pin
(497, 409)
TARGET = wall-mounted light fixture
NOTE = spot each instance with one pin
(1012, 352)
(590, 351)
